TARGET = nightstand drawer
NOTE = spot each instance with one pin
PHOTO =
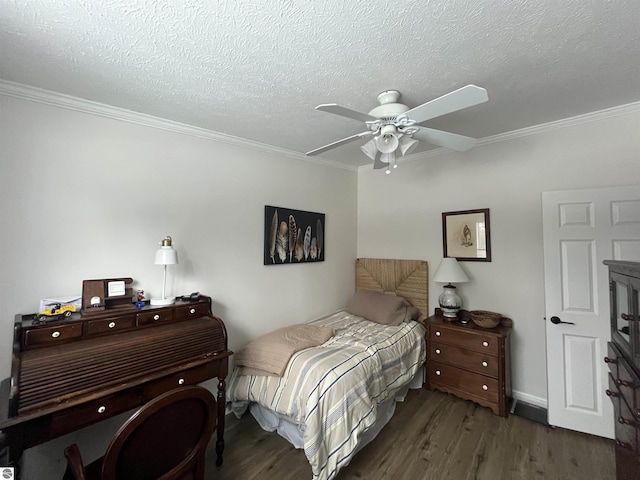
(453, 380)
(467, 359)
(472, 340)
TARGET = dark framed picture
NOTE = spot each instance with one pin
(466, 235)
(293, 236)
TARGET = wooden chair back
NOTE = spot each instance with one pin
(166, 439)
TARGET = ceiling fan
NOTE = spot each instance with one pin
(394, 126)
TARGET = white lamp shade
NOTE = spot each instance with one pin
(166, 256)
(450, 271)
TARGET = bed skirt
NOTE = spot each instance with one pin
(293, 432)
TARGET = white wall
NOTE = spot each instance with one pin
(399, 215)
(84, 196)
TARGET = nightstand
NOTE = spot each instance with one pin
(470, 362)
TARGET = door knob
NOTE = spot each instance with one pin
(556, 321)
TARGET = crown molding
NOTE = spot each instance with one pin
(26, 92)
(47, 97)
(528, 131)
(564, 123)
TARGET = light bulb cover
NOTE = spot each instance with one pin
(369, 149)
(387, 141)
(407, 145)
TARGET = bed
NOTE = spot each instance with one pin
(334, 398)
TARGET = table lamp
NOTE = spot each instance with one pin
(165, 255)
(449, 271)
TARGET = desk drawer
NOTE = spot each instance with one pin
(154, 316)
(96, 327)
(472, 340)
(192, 311)
(51, 335)
(467, 359)
(461, 381)
(192, 376)
(95, 411)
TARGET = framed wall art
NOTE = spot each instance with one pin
(466, 235)
(293, 236)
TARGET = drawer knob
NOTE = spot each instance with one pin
(102, 409)
(181, 381)
(55, 334)
(610, 360)
(610, 393)
(485, 344)
(485, 387)
(192, 310)
(623, 383)
(438, 372)
(112, 324)
(623, 444)
(438, 333)
(156, 317)
(485, 364)
(625, 421)
(437, 351)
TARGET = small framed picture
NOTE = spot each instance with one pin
(466, 235)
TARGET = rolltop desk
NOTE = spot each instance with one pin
(69, 374)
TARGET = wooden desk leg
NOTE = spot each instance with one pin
(11, 445)
(221, 410)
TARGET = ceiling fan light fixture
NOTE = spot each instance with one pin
(388, 158)
(407, 145)
(394, 126)
(370, 149)
(387, 141)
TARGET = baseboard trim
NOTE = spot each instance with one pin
(530, 399)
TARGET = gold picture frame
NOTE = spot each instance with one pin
(466, 235)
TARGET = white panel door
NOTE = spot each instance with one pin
(581, 228)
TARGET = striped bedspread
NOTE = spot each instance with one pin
(334, 390)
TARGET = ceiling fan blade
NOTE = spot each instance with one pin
(451, 102)
(346, 112)
(339, 142)
(445, 139)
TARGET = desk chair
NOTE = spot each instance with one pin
(166, 439)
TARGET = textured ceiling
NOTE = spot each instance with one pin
(256, 70)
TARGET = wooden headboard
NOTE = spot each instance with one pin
(405, 278)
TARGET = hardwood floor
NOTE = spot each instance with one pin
(431, 436)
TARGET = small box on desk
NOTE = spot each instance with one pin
(106, 293)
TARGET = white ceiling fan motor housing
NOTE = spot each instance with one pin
(389, 107)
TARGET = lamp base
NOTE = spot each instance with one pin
(450, 303)
(162, 301)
